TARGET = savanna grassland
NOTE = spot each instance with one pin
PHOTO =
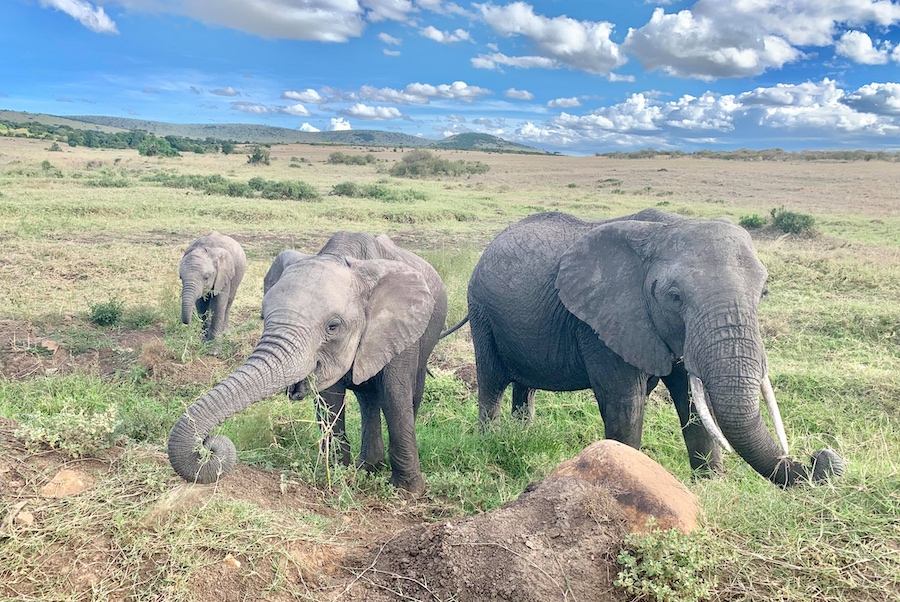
(95, 367)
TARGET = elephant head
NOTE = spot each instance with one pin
(655, 291)
(326, 318)
(204, 270)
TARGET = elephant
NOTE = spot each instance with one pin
(211, 271)
(361, 314)
(561, 304)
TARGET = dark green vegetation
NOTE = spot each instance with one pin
(424, 164)
(93, 353)
(21, 123)
(769, 154)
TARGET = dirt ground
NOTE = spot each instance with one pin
(559, 545)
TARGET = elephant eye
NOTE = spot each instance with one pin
(674, 297)
(333, 325)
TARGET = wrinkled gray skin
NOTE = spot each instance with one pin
(362, 314)
(560, 304)
(211, 271)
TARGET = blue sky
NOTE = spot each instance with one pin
(574, 77)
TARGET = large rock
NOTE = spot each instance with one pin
(642, 488)
(557, 541)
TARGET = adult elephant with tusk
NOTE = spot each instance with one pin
(562, 304)
(362, 314)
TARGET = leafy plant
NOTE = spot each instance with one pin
(77, 432)
(752, 222)
(259, 154)
(667, 566)
(107, 313)
(422, 163)
(792, 222)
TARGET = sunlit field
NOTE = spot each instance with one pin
(89, 230)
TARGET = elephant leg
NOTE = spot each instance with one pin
(331, 415)
(704, 454)
(522, 402)
(403, 450)
(371, 456)
(218, 305)
(202, 307)
(620, 389)
(492, 376)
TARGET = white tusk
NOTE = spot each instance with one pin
(774, 412)
(702, 406)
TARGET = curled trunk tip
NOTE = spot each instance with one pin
(199, 460)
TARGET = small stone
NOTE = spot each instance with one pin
(24, 518)
(66, 483)
(231, 562)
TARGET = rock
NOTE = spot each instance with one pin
(642, 488)
(66, 483)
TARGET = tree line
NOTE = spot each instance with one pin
(144, 142)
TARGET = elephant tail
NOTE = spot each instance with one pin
(455, 327)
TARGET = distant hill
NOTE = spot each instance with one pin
(482, 142)
(263, 134)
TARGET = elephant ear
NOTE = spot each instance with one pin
(397, 313)
(224, 264)
(601, 281)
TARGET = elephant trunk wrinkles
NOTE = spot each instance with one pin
(190, 292)
(728, 357)
(194, 454)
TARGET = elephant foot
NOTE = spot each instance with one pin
(370, 466)
(825, 463)
(413, 486)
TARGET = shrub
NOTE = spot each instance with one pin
(259, 154)
(108, 313)
(792, 222)
(338, 158)
(76, 432)
(227, 147)
(752, 222)
(421, 163)
(256, 183)
(667, 566)
(291, 190)
(55, 148)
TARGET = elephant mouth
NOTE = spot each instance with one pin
(298, 390)
(701, 402)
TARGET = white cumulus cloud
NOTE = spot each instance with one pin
(309, 96)
(362, 111)
(92, 17)
(339, 124)
(877, 98)
(581, 45)
(445, 37)
(857, 46)
(564, 103)
(389, 39)
(306, 127)
(518, 94)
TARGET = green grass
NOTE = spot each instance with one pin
(830, 325)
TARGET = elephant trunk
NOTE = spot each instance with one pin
(198, 457)
(728, 358)
(190, 292)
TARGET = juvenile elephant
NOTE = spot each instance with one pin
(211, 271)
(561, 304)
(363, 314)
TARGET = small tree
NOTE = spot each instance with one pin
(227, 147)
(259, 155)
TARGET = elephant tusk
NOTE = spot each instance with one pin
(774, 412)
(701, 404)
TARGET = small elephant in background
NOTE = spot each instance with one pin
(211, 271)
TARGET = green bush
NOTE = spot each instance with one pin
(108, 313)
(78, 432)
(256, 183)
(667, 566)
(259, 154)
(422, 163)
(792, 222)
(338, 158)
(227, 147)
(752, 222)
(290, 190)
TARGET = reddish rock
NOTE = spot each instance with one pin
(642, 488)
(66, 483)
